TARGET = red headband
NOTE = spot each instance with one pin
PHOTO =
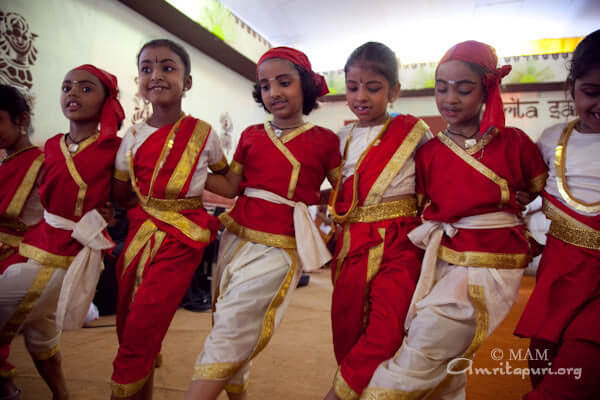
(112, 112)
(485, 56)
(298, 58)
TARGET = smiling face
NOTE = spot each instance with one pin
(459, 94)
(368, 94)
(281, 90)
(586, 96)
(82, 96)
(161, 76)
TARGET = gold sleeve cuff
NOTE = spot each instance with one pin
(236, 167)
(219, 165)
(538, 183)
(420, 200)
(342, 389)
(334, 174)
(121, 175)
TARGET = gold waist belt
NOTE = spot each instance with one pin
(388, 210)
(569, 230)
(174, 204)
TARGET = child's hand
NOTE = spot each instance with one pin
(108, 213)
(523, 198)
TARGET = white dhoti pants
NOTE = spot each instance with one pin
(252, 284)
(463, 307)
(28, 296)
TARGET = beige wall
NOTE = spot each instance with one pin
(109, 34)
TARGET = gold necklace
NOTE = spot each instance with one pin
(331, 207)
(560, 162)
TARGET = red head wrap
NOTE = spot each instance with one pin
(485, 56)
(298, 58)
(112, 112)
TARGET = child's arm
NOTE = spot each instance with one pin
(226, 184)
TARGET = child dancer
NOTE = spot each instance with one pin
(19, 204)
(561, 317)
(67, 242)
(165, 160)
(468, 178)
(375, 267)
(279, 166)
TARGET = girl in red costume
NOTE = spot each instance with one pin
(563, 313)
(20, 205)
(375, 267)
(278, 168)
(469, 180)
(165, 160)
(54, 288)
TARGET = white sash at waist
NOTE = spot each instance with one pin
(428, 236)
(79, 283)
(310, 246)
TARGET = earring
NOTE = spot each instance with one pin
(23, 131)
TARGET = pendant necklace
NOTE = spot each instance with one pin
(73, 146)
(469, 141)
(279, 131)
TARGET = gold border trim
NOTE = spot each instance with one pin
(236, 388)
(186, 203)
(483, 142)
(334, 193)
(387, 210)
(34, 292)
(288, 154)
(222, 371)
(20, 197)
(236, 168)
(537, 184)
(16, 153)
(45, 257)
(396, 162)
(342, 389)
(11, 240)
(269, 320)
(560, 162)
(216, 371)
(183, 224)
(371, 393)
(483, 259)
(127, 389)
(269, 239)
(482, 324)
(164, 152)
(569, 230)
(373, 265)
(186, 162)
(479, 167)
(8, 373)
(75, 174)
(45, 355)
(346, 241)
(219, 165)
(334, 174)
(121, 175)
